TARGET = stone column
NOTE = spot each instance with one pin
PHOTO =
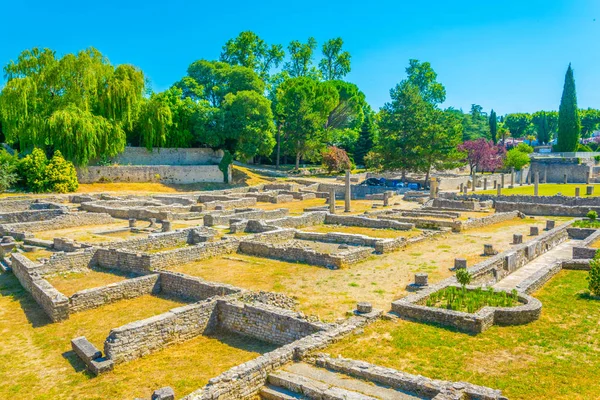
(332, 201)
(465, 190)
(388, 195)
(576, 192)
(347, 194)
(499, 190)
(521, 178)
(545, 175)
(512, 177)
(565, 176)
(488, 250)
(550, 224)
(495, 184)
(589, 190)
(502, 180)
(534, 230)
(484, 183)
(421, 279)
(432, 188)
(132, 222)
(461, 187)
(536, 184)
(460, 263)
(517, 239)
(166, 226)
(529, 176)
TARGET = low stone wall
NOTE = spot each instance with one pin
(193, 288)
(412, 307)
(422, 223)
(265, 323)
(137, 212)
(473, 223)
(366, 222)
(414, 384)
(151, 173)
(127, 289)
(545, 209)
(461, 205)
(29, 216)
(584, 253)
(169, 156)
(571, 201)
(273, 198)
(144, 337)
(69, 220)
(301, 221)
(379, 244)
(555, 169)
(225, 204)
(54, 303)
(223, 218)
(68, 262)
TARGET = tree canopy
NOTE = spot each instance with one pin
(569, 123)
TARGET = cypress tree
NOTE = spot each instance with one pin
(493, 126)
(569, 124)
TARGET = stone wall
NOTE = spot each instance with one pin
(495, 218)
(193, 288)
(152, 173)
(61, 222)
(29, 216)
(127, 289)
(366, 222)
(68, 262)
(545, 209)
(137, 212)
(169, 156)
(223, 218)
(555, 169)
(470, 205)
(54, 303)
(233, 203)
(265, 323)
(301, 221)
(571, 201)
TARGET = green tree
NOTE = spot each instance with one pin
(424, 78)
(61, 176)
(335, 63)
(301, 59)
(493, 125)
(304, 106)
(545, 124)
(368, 135)
(79, 104)
(590, 119)
(519, 124)
(516, 159)
(250, 51)
(8, 169)
(569, 124)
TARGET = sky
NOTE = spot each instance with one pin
(507, 55)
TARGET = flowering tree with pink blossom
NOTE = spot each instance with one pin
(483, 155)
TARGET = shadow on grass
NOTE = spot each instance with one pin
(242, 342)
(587, 296)
(76, 362)
(10, 287)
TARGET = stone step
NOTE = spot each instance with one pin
(313, 389)
(278, 393)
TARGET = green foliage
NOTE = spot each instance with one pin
(301, 59)
(593, 277)
(373, 161)
(8, 170)
(493, 126)
(525, 148)
(587, 223)
(336, 160)
(516, 159)
(43, 175)
(569, 123)
(592, 215)
(250, 51)
(545, 124)
(583, 148)
(452, 298)
(79, 104)
(519, 124)
(463, 276)
(335, 63)
(224, 165)
(590, 119)
(368, 135)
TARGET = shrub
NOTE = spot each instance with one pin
(516, 159)
(372, 161)
(336, 159)
(43, 175)
(594, 277)
(524, 148)
(583, 148)
(8, 170)
(592, 215)
(61, 176)
(463, 277)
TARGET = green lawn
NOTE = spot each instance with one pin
(556, 357)
(546, 189)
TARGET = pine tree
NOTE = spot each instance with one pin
(569, 124)
(493, 126)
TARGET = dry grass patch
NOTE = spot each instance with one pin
(376, 233)
(37, 254)
(552, 358)
(85, 233)
(72, 282)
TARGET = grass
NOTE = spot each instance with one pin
(37, 254)
(37, 361)
(457, 299)
(329, 293)
(72, 282)
(546, 189)
(587, 223)
(555, 357)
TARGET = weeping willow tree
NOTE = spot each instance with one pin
(79, 104)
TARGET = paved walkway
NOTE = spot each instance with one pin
(563, 251)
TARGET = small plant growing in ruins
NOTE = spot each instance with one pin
(593, 277)
(463, 277)
(592, 215)
(453, 298)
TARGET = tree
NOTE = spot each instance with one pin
(518, 124)
(336, 160)
(475, 123)
(368, 135)
(303, 107)
(43, 175)
(493, 124)
(569, 124)
(301, 59)
(250, 51)
(424, 78)
(516, 159)
(79, 104)
(483, 155)
(545, 124)
(335, 63)
(8, 170)
(590, 119)
(463, 276)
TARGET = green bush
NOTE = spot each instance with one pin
(453, 298)
(43, 175)
(524, 148)
(594, 276)
(8, 170)
(583, 148)
(592, 215)
(516, 159)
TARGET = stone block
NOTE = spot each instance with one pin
(534, 231)
(577, 192)
(85, 350)
(589, 190)
(550, 224)
(101, 365)
(517, 238)
(460, 263)
(488, 250)
(166, 393)
(421, 279)
(364, 307)
(132, 222)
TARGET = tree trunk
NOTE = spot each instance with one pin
(297, 161)
(427, 178)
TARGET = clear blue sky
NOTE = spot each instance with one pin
(508, 55)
